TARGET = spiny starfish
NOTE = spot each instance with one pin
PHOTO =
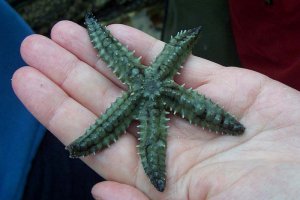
(151, 93)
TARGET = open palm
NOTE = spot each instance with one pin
(66, 86)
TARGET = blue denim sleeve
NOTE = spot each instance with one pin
(20, 132)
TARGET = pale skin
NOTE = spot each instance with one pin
(66, 86)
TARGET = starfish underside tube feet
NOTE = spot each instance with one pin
(151, 93)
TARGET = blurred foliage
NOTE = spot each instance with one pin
(41, 15)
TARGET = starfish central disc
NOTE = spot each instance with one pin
(152, 88)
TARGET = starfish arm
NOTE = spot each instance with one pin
(169, 61)
(107, 128)
(199, 110)
(152, 146)
(121, 61)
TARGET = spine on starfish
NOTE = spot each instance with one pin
(174, 53)
(122, 62)
(199, 110)
(152, 146)
(107, 128)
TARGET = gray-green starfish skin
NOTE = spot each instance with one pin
(151, 93)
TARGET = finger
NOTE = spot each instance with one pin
(47, 102)
(75, 39)
(76, 78)
(79, 44)
(113, 190)
(67, 120)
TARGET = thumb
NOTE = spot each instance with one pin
(112, 190)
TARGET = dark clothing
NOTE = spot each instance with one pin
(267, 37)
(20, 132)
(54, 175)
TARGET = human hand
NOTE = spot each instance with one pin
(66, 87)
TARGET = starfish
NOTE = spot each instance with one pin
(151, 94)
